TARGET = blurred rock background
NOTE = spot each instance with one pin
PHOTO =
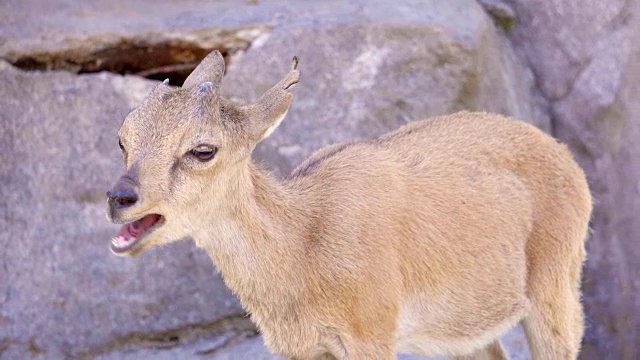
(569, 67)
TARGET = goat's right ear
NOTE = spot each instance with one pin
(266, 114)
(210, 69)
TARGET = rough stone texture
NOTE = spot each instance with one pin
(569, 67)
(584, 55)
(250, 349)
(62, 293)
(124, 44)
(363, 79)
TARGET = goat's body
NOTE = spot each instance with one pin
(433, 239)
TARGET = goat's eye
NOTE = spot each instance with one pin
(204, 152)
(120, 144)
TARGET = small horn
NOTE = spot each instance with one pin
(205, 87)
(294, 63)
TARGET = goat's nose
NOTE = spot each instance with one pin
(122, 196)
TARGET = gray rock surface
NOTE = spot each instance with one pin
(62, 293)
(585, 58)
(373, 75)
(568, 67)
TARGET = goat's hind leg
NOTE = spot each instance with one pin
(493, 351)
(555, 324)
(554, 328)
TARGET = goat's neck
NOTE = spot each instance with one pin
(258, 244)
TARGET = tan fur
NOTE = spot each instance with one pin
(433, 239)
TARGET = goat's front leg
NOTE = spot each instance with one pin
(326, 356)
(493, 351)
(369, 350)
(360, 353)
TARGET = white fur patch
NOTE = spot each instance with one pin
(410, 341)
(274, 126)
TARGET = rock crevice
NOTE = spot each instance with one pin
(214, 336)
(155, 55)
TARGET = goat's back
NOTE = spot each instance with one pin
(436, 223)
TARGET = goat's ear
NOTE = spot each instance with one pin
(210, 69)
(266, 114)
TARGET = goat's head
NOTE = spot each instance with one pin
(184, 149)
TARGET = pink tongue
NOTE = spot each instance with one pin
(136, 228)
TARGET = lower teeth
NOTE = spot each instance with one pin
(119, 242)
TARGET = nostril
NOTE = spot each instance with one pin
(127, 200)
(123, 197)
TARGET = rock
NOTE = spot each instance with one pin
(567, 67)
(157, 55)
(363, 79)
(62, 293)
(93, 304)
(250, 349)
(238, 339)
(584, 57)
(121, 42)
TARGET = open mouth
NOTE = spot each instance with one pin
(132, 233)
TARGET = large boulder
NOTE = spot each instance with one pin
(380, 71)
(63, 294)
(67, 297)
(367, 67)
(584, 56)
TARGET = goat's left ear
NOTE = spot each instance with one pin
(265, 115)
